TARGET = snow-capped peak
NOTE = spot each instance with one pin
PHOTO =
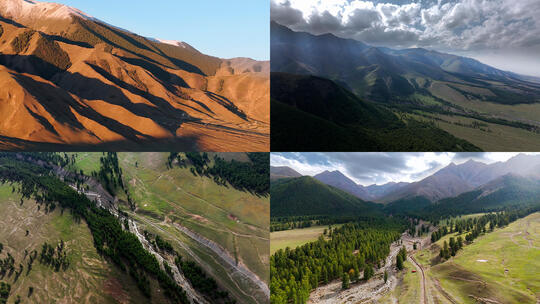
(34, 9)
(173, 42)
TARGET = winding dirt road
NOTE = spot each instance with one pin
(423, 298)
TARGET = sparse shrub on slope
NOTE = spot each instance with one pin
(20, 43)
(51, 52)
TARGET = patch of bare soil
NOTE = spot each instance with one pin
(114, 288)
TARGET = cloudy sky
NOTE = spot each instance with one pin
(501, 33)
(379, 168)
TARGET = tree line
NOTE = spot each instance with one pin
(474, 227)
(252, 176)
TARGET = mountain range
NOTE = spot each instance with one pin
(449, 181)
(468, 187)
(70, 80)
(388, 75)
(472, 101)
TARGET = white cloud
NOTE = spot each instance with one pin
(380, 168)
(449, 26)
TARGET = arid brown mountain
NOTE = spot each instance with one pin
(72, 81)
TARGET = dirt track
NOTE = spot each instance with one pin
(423, 298)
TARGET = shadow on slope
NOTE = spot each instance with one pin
(313, 113)
(93, 30)
(185, 143)
(163, 113)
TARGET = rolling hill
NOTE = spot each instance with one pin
(310, 113)
(308, 196)
(74, 82)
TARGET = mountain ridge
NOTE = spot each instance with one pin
(143, 91)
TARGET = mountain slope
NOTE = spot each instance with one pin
(456, 179)
(282, 172)
(387, 75)
(307, 196)
(505, 191)
(340, 181)
(118, 89)
(488, 107)
(315, 114)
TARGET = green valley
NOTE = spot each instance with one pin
(140, 226)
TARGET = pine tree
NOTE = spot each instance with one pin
(345, 281)
(399, 262)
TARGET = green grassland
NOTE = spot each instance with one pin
(294, 237)
(498, 138)
(88, 279)
(86, 161)
(408, 289)
(238, 221)
(510, 112)
(509, 273)
(218, 213)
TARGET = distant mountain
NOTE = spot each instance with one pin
(456, 179)
(505, 191)
(308, 196)
(72, 81)
(394, 76)
(340, 181)
(378, 191)
(277, 172)
(315, 114)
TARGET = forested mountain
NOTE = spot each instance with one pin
(282, 172)
(307, 196)
(472, 186)
(311, 113)
(76, 81)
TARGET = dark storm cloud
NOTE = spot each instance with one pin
(454, 25)
(285, 14)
